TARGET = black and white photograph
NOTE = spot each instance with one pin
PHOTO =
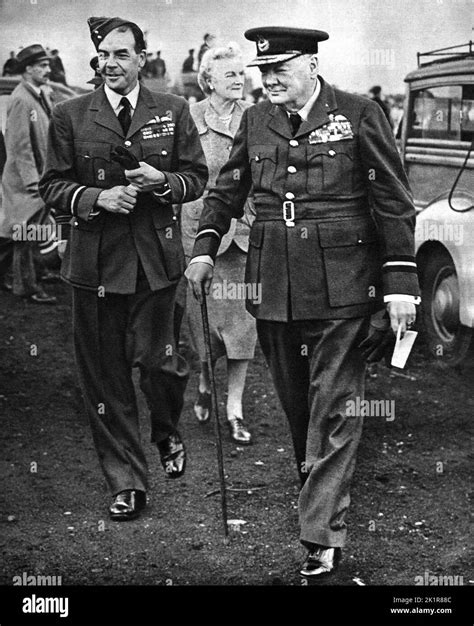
(236, 312)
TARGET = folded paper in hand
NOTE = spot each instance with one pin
(403, 347)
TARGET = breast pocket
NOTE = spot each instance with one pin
(157, 152)
(263, 165)
(94, 166)
(330, 168)
(351, 261)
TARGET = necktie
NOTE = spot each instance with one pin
(45, 104)
(125, 116)
(295, 121)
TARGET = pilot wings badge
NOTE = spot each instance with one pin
(337, 129)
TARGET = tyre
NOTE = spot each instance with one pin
(447, 339)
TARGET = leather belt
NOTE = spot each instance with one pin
(290, 211)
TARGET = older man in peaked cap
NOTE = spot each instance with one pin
(331, 244)
(124, 256)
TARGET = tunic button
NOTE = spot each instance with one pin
(293, 143)
(332, 153)
(127, 144)
(76, 223)
(292, 169)
(257, 158)
(290, 195)
(175, 218)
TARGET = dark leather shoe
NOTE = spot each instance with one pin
(202, 406)
(42, 298)
(238, 433)
(173, 456)
(321, 562)
(127, 505)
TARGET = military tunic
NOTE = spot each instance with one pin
(351, 241)
(333, 237)
(124, 268)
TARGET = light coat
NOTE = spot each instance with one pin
(216, 139)
(25, 141)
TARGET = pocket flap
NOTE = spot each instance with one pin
(347, 232)
(94, 225)
(331, 150)
(156, 147)
(258, 153)
(89, 150)
(163, 219)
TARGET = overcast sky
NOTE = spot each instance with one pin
(371, 41)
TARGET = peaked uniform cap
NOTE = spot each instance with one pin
(276, 44)
(100, 27)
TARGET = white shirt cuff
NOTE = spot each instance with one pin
(401, 297)
(203, 258)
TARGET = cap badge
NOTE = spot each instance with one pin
(263, 44)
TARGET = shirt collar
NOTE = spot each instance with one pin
(114, 98)
(304, 112)
(34, 88)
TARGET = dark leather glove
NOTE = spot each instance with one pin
(380, 341)
(125, 158)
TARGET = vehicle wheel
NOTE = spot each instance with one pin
(447, 339)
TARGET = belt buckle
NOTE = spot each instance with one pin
(288, 205)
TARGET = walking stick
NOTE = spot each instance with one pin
(214, 408)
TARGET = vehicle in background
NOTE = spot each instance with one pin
(438, 154)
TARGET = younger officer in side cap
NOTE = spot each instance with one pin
(332, 242)
(124, 256)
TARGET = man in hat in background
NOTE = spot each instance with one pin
(376, 96)
(96, 80)
(332, 243)
(124, 256)
(58, 74)
(26, 132)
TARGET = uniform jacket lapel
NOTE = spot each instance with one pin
(279, 122)
(145, 111)
(105, 115)
(319, 114)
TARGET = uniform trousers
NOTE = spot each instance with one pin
(113, 334)
(317, 368)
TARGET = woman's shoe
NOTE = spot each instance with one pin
(238, 433)
(202, 406)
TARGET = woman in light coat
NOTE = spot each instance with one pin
(233, 331)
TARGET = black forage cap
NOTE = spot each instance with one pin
(276, 44)
(100, 27)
